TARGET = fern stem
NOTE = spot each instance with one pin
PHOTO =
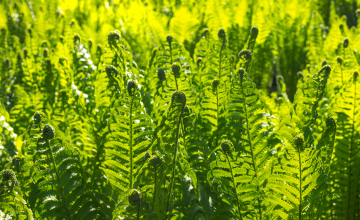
(171, 56)
(37, 147)
(174, 163)
(96, 159)
(171, 60)
(350, 154)
(220, 55)
(117, 87)
(154, 188)
(251, 61)
(342, 78)
(328, 176)
(177, 87)
(124, 64)
(131, 143)
(300, 190)
(138, 212)
(217, 97)
(59, 179)
(233, 180)
(119, 59)
(183, 133)
(250, 143)
(217, 117)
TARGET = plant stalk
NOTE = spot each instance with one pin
(174, 163)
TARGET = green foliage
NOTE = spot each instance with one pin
(179, 110)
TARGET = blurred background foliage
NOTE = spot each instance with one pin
(287, 28)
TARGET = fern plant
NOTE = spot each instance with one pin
(179, 110)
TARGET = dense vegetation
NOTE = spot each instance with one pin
(179, 109)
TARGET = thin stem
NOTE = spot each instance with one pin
(58, 178)
(252, 49)
(183, 132)
(327, 177)
(171, 60)
(177, 87)
(174, 162)
(131, 143)
(300, 172)
(333, 143)
(221, 48)
(217, 118)
(117, 87)
(250, 142)
(138, 212)
(342, 78)
(350, 154)
(233, 180)
(154, 189)
(124, 59)
(217, 97)
(171, 56)
(200, 86)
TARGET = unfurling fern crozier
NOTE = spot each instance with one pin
(48, 132)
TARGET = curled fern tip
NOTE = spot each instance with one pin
(113, 37)
(155, 160)
(134, 197)
(254, 31)
(161, 74)
(178, 97)
(215, 84)
(76, 39)
(227, 146)
(221, 34)
(323, 63)
(326, 69)
(330, 122)
(241, 73)
(110, 70)
(356, 76)
(346, 42)
(131, 87)
(62, 61)
(299, 143)
(48, 132)
(37, 117)
(169, 40)
(146, 156)
(198, 61)
(7, 175)
(245, 55)
(206, 32)
(176, 69)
